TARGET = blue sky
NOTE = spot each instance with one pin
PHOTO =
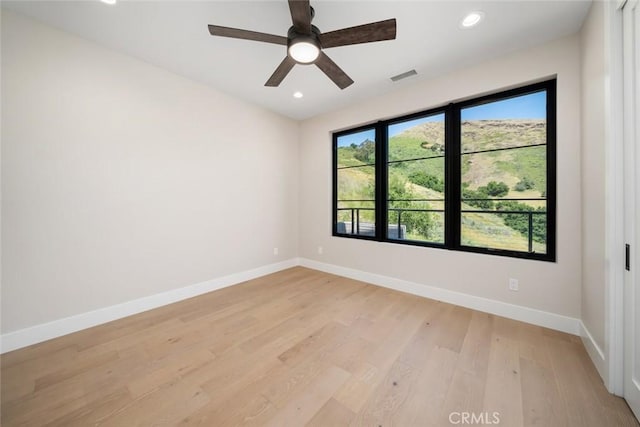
(401, 127)
(357, 138)
(531, 106)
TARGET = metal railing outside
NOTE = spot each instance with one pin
(355, 215)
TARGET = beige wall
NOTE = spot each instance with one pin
(553, 287)
(593, 172)
(121, 180)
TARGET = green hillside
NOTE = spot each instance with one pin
(416, 171)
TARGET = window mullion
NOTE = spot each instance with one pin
(551, 168)
(381, 180)
(334, 189)
(452, 176)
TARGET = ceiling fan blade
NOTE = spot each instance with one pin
(332, 71)
(281, 72)
(237, 33)
(373, 32)
(301, 15)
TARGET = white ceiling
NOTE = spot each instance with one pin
(173, 35)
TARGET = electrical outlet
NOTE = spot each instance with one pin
(320, 250)
(275, 251)
(513, 284)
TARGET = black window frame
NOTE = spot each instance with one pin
(452, 173)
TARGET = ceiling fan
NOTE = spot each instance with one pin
(305, 42)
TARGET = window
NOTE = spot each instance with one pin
(415, 184)
(356, 183)
(476, 176)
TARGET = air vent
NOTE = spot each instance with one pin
(403, 75)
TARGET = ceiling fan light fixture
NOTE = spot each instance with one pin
(304, 50)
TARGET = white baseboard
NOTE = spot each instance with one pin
(595, 352)
(525, 314)
(46, 331)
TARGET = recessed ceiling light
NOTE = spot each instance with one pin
(298, 94)
(472, 19)
(109, 1)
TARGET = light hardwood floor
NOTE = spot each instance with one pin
(301, 347)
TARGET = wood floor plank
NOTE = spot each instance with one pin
(315, 342)
(424, 404)
(179, 398)
(304, 347)
(532, 344)
(244, 402)
(280, 388)
(465, 394)
(348, 354)
(81, 365)
(454, 329)
(262, 397)
(361, 301)
(248, 412)
(239, 370)
(388, 397)
(95, 409)
(355, 392)
(615, 408)
(374, 366)
(541, 402)
(435, 328)
(302, 407)
(474, 353)
(331, 414)
(503, 379)
(573, 384)
(48, 404)
(157, 373)
(19, 379)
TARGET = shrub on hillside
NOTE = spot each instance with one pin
(400, 197)
(524, 184)
(496, 189)
(479, 198)
(520, 222)
(425, 180)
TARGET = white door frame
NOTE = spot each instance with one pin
(631, 17)
(614, 202)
